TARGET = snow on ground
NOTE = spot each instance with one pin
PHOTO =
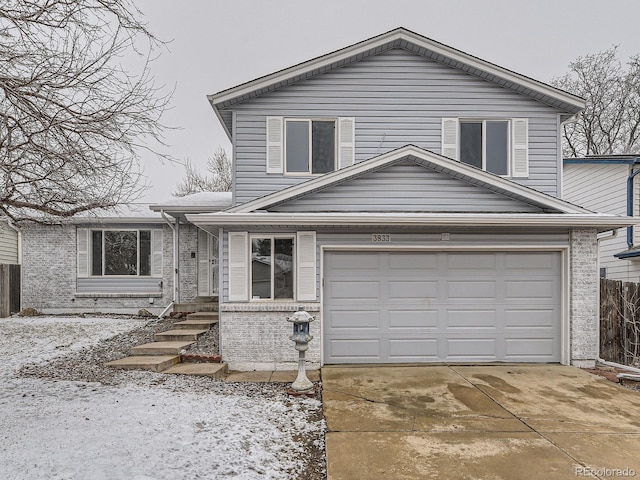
(151, 427)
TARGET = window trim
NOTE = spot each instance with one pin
(103, 230)
(309, 120)
(273, 238)
(484, 121)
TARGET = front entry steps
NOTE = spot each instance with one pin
(164, 354)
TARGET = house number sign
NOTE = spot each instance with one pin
(380, 238)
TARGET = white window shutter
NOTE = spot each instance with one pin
(306, 266)
(449, 135)
(520, 147)
(346, 141)
(275, 150)
(238, 266)
(156, 252)
(83, 252)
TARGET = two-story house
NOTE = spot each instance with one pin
(405, 193)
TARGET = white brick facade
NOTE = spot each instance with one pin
(49, 272)
(255, 336)
(584, 293)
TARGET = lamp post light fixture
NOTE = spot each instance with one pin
(301, 320)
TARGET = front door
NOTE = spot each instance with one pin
(207, 264)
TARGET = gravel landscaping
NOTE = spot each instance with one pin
(65, 416)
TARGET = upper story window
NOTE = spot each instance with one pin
(309, 146)
(496, 146)
(126, 252)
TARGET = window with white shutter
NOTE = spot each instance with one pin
(346, 142)
(156, 253)
(449, 135)
(520, 147)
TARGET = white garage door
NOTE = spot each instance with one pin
(386, 307)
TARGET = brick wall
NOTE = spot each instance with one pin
(256, 336)
(50, 272)
(584, 288)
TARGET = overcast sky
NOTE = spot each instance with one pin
(217, 44)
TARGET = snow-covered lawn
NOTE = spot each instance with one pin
(143, 426)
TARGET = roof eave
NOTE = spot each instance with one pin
(399, 34)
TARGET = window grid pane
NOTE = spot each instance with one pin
(323, 147)
(297, 146)
(120, 253)
(261, 268)
(497, 147)
(145, 252)
(96, 252)
(283, 268)
(471, 143)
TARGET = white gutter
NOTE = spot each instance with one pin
(176, 270)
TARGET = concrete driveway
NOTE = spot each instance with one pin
(478, 422)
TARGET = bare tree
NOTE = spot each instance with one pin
(73, 119)
(610, 123)
(217, 177)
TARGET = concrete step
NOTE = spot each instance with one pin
(179, 335)
(195, 307)
(190, 324)
(160, 348)
(211, 299)
(203, 315)
(215, 370)
(156, 363)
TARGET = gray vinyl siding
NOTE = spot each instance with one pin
(405, 187)
(399, 238)
(603, 188)
(598, 187)
(8, 245)
(397, 98)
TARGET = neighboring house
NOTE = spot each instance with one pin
(609, 184)
(409, 194)
(9, 242)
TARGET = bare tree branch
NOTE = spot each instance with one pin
(610, 123)
(217, 177)
(73, 119)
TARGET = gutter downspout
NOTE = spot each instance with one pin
(630, 211)
(176, 269)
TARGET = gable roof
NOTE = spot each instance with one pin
(397, 38)
(447, 166)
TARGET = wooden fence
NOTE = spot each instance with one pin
(620, 322)
(9, 289)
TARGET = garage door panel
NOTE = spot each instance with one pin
(412, 290)
(355, 348)
(413, 349)
(471, 348)
(472, 319)
(360, 290)
(413, 319)
(354, 319)
(471, 262)
(409, 263)
(530, 317)
(529, 289)
(442, 306)
(471, 290)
